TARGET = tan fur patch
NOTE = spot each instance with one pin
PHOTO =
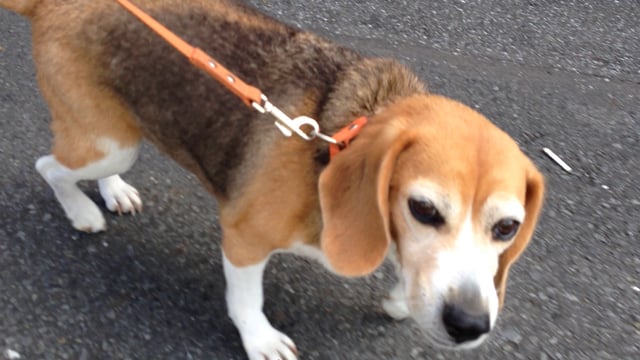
(278, 206)
(81, 111)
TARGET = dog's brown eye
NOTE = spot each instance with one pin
(505, 229)
(425, 212)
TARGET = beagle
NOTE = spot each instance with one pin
(429, 182)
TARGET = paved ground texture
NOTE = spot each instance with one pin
(557, 74)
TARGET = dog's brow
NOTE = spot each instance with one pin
(442, 199)
(501, 206)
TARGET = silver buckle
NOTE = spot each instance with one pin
(288, 126)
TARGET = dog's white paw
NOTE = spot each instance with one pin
(269, 344)
(396, 309)
(244, 303)
(84, 214)
(395, 304)
(119, 196)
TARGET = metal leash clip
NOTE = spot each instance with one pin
(288, 126)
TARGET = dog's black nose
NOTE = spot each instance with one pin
(463, 326)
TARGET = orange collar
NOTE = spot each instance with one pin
(345, 135)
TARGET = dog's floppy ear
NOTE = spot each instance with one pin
(533, 203)
(354, 197)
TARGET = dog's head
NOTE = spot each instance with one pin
(455, 194)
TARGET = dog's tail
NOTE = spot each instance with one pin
(22, 7)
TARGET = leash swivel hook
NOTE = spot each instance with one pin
(288, 126)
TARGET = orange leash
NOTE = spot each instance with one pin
(247, 93)
(250, 95)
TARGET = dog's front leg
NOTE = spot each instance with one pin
(244, 303)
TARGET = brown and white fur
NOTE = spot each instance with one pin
(429, 182)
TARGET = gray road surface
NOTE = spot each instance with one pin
(557, 74)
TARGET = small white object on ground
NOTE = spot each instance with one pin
(12, 354)
(557, 159)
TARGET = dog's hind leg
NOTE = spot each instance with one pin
(95, 138)
(118, 195)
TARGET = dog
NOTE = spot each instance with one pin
(429, 183)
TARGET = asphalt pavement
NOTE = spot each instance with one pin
(558, 74)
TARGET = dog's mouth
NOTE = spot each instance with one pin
(440, 336)
(446, 342)
(441, 341)
(434, 331)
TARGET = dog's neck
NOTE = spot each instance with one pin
(364, 89)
